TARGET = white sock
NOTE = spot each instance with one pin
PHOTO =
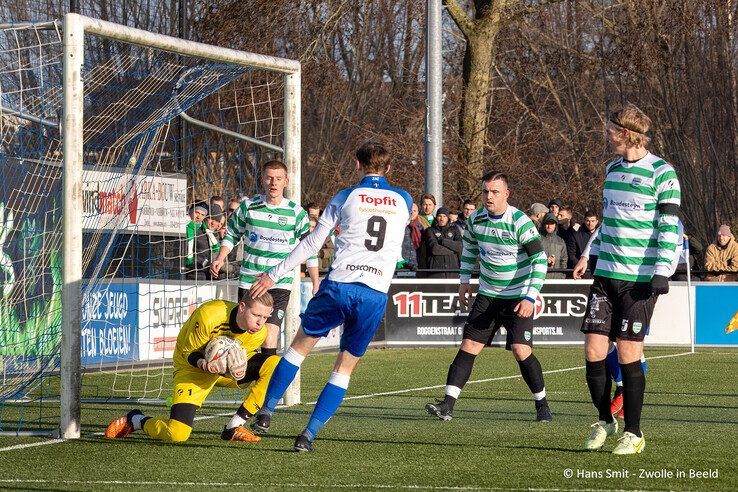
(136, 421)
(540, 395)
(453, 391)
(236, 420)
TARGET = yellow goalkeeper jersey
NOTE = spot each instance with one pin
(213, 319)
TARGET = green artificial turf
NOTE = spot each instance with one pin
(385, 442)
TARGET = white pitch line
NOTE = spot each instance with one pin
(360, 397)
(295, 485)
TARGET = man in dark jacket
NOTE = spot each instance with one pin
(553, 245)
(580, 238)
(207, 244)
(443, 246)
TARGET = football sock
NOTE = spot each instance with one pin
(136, 421)
(600, 385)
(613, 366)
(328, 402)
(634, 386)
(532, 373)
(239, 418)
(283, 375)
(458, 375)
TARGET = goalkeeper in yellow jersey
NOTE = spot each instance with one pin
(194, 377)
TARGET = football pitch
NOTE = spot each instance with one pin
(382, 439)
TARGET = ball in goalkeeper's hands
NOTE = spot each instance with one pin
(224, 355)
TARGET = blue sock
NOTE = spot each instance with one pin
(613, 365)
(328, 402)
(283, 375)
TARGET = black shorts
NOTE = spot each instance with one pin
(488, 314)
(281, 299)
(619, 309)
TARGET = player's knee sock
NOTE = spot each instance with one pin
(328, 402)
(458, 375)
(239, 418)
(600, 385)
(532, 374)
(613, 366)
(634, 386)
(169, 430)
(281, 379)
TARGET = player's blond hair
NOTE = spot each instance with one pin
(265, 299)
(633, 119)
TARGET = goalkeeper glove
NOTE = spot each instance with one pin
(217, 366)
(237, 363)
(659, 285)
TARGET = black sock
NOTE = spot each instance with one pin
(268, 351)
(243, 413)
(458, 374)
(634, 385)
(600, 385)
(532, 374)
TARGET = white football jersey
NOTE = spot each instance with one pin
(372, 217)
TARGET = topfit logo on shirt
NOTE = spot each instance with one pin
(378, 200)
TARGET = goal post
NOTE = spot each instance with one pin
(101, 128)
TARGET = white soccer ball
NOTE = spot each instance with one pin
(217, 350)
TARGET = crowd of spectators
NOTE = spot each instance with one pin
(433, 240)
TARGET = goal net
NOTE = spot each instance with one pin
(108, 136)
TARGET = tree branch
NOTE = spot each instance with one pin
(463, 22)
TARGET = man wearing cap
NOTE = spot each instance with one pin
(536, 213)
(554, 206)
(722, 256)
(197, 212)
(443, 246)
(553, 245)
(207, 244)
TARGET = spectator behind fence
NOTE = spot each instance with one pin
(235, 257)
(197, 212)
(443, 246)
(467, 209)
(566, 232)
(722, 256)
(536, 213)
(313, 210)
(554, 206)
(553, 245)
(427, 205)
(416, 235)
(207, 244)
(580, 238)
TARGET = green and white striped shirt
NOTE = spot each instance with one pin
(270, 233)
(639, 234)
(506, 270)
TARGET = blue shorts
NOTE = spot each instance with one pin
(359, 308)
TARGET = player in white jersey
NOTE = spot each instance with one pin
(372, 217)
(269, 226)
(512, 266)
(636, 248)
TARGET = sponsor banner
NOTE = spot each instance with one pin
(144, 203)
(163, 310)
(429, 312)
(670, 321)
(110, 324)
(717, 314)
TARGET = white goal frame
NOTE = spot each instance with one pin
(75, 27)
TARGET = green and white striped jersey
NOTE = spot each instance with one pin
(269, 232)
(639, 234)
(506, 270)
